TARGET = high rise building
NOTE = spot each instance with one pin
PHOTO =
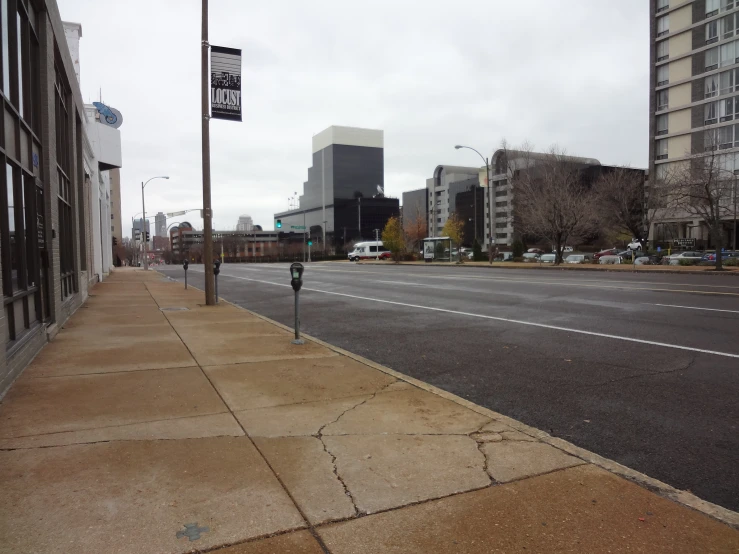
(160, 225)
(343, 198)
(443, 187)
(693, 98)
(246, 223)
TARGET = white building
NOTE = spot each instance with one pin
(246, 223)
(101, 153)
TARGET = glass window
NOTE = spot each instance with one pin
(726, 136)
(712, 58)
(712, 6)
(661, 171)
(12, 231)
(727, 27)
(661, 150)
(726, 82)
(711, 113)
(663, 75)
(663, 99)
(711, 85)
(662, 124)
(6, 47)
(712, 31)
(20, 63)
(727, 56)
(726, 109)
(662, 5)
(663, 25)
(726, 5)
(663, 50)
(710, 139)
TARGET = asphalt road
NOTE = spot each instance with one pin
(642, 369)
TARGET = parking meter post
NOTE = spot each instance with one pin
(216, 271)
(185, 264)
(296, 281)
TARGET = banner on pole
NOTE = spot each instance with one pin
(225, 83)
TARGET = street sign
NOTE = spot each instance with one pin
(302, 227)
(175, 214)
(684, 243)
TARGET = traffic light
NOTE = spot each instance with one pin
(279, 224)
(115, 241)
(147, 236)
(310, 243)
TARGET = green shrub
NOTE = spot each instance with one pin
(686, 262)
(518, 259)
(731, 262)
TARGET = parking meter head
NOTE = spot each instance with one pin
(296, 276)
(185, 264)
(217, 263)
(216, 267)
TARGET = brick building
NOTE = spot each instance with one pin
(45, 224)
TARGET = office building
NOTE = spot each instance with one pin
(471, 198)
(693, 103)
(46, 226)
(442, 189)
(415, 210)
(343, 198)
(245, 223)
(160, 225)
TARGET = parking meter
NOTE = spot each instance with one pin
(216, 271)
(296, 274)
(296, 280)
(184, 266)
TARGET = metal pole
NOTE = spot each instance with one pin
(215, 278)
(297, 340)
(143, 224)
(207, 212)
(359, 210)
(185, 279)
(490, 201)
(474, 192)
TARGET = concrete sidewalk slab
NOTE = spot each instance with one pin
(131, 333)
(516, 459)
(582, 509)
(388, 471)
(85, 317)
(204, 316)
(106, 400)
(267, 384)
(307, 471)
(299, 542)
(133, 497)
(233, 331)
(294, 420)
(411, 411)
(108, 357)
(212, 349)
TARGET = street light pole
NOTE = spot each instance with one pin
(143, 217)
(490, 200)
(210, 298)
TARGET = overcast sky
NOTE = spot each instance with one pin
(430, 74)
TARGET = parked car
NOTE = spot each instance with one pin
(564, 249)
(609, 252)
(534, 251)
(647, 260)
(548, 258)
(711, 256)
(635, 244)
(674, 259)
(578, 258)
(627, 255)
(610, 259)
(531, 257)
(504, 257)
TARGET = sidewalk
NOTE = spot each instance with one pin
(154, 424)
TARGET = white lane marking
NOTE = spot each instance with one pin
(696, 308)
(412, 284)
(504, 319)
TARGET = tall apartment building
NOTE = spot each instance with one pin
(160, 225)
(448, 180)
(694, 95)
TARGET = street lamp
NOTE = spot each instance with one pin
(143, 211)
(490, 200)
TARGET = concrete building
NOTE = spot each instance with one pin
(448, 180)
(116, 224)
(46, 225)
(693, 102)
(160, 225)
(343, 198)
(245, 223)
(232, 245)
(415, 207)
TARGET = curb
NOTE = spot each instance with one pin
(564, 268)
(684, 498)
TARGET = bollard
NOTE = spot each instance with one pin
(216, 271)
(296, 280)
(184, 266)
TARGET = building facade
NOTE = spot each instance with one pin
(415, 209)
(693, 98)
(45, 225)
(442, 189)
(245, 223)
(343, 198)
(116, 223)
(160, 225)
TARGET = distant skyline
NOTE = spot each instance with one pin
(438, 74)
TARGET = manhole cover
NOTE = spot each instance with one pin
(173, 309)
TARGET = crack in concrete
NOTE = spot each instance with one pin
(641, 375)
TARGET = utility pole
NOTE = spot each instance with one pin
(305, 237)
(210, 298)
(377, 246)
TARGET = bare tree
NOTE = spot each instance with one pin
(624, 203)
(702, 187)
(551, 198)
(415, 227)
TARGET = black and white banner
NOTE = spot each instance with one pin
(225, 83)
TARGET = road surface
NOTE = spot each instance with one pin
(639, 368)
